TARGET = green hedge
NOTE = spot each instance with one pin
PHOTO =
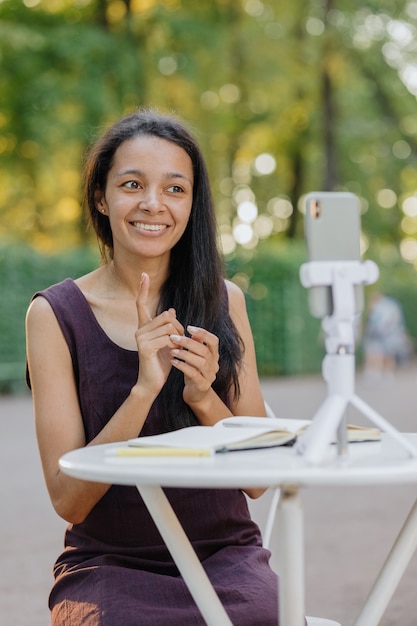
(23, 272)
(287, 339)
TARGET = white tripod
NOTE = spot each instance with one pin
(339, 363)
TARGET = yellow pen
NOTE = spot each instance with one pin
(134, 451)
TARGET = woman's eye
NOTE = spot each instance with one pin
(132, 184)
(175, 189)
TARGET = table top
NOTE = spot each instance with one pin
(384, 462)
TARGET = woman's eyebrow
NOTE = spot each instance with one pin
(168, 175)
(128, 172)
(178, 175)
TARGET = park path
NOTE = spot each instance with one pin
(348, 532)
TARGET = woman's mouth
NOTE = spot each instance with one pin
(150, 227)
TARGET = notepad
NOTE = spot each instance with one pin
(242, 433)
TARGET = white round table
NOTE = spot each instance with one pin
(384, 462)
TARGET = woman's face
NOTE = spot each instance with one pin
(148, 196)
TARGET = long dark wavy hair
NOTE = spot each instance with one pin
(195, 285)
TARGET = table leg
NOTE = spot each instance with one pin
(291, 558)
(391, 573)
(184, 556)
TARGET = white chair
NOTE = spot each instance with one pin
(266, 536)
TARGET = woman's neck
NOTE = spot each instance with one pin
(126, 277)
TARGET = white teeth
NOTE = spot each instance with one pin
(149, 226)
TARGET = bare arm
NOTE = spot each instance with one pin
(251, 401)
(199, 363)
(58, 419)
(197, 357)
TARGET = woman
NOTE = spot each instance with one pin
(153, 340)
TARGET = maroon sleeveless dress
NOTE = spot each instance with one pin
(115, 569)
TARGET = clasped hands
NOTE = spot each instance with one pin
(163, 344)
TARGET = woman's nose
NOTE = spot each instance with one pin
(151, 201)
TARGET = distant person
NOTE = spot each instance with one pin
(386, 343)
(153, 340)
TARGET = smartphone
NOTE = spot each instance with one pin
(332, 233)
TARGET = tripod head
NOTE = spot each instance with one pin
(342, 277)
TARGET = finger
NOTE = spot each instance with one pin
(190, 346)
(142, 307)
(156, 334)
(203, 336)
(172, 326)
(163, 325)
(195, 368)
(200, 341)
(198, 355)
(206, 367)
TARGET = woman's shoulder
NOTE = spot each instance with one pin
(236, 296)
(43, 299)
(233, 290)
(47, 305)
(59, 296)
(94, 288)
(89, 283)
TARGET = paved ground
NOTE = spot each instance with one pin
(347, 533)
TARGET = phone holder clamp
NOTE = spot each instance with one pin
(342, 276)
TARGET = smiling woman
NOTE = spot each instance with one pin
(147, 198)
(153, 340)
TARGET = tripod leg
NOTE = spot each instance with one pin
(391, 573)
(383, 424)
(312, 444)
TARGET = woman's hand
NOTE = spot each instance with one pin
(153, 340)
(198, 358)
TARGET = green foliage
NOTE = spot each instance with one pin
(326, 89)
(23, 271)
(286, 337)
(288, 340)
(322, 87)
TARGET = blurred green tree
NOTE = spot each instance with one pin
(285, 98)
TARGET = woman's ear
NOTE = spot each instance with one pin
(100, 201)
